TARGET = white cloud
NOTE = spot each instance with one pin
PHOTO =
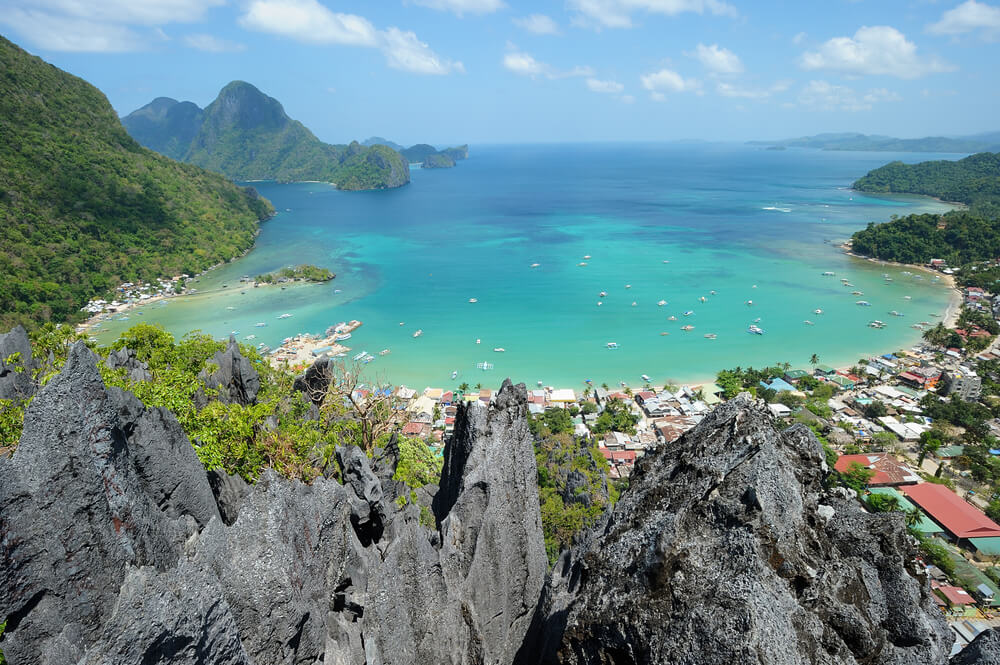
(525, 64)
(106, 26)
(607, 87)
(799, 38)
(717, 60)
(402, 50)
(618, 13)
(212, 44)
(666, 80)
(825, 96)
(539, 24)
(969, 17)
(741, 92)
(308, 21)
(877, 49)
(460, 7)
(62, 33)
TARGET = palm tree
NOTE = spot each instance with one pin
(913, 517)
(605, 386)
(463, 388)
(814, 360)
(479, 386)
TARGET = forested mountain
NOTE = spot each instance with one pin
(83, 206)
(960, 237)
(246, 135)
(876, 143)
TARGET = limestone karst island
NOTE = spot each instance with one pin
(603, 332)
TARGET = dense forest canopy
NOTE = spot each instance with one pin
(84, 207)
(960, 237)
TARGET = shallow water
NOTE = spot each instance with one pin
(716, 212)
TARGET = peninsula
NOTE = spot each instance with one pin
(877, 143)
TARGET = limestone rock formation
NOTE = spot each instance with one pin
(233, 375)
(727, 549)
(984, 650)
(16, 365)
(117, 547)
(125, 358)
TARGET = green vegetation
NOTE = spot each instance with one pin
(734, 381)
(305, 272)
(83, 207)
(432, 158)
(974, 181)
(438, 161)
(570, 507)
(616, 417)
(3, 627)
(935, 552)
(246, 135)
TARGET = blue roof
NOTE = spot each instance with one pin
(779, 385)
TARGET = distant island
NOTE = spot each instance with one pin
(246, 135)
(303, 273)
(84, 208)
(876, 143)
(965, 241)
(424, 154)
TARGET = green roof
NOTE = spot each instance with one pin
(841, 381)
(796, 374)
(965, 569)
(987, 546)
(949, 451)
(825, 369)
(925, 525)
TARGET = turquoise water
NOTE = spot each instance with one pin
(416, 255)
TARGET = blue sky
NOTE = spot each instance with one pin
(501, 71)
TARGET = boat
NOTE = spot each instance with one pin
(341, 338)
(586, 257)
(599, 303)
(749, 303)
(757, 320)
(666, 261)
(634, 303)
(479, 341)
(261, 324)
(384, 352)
(644, 377)
(402, 323)
(338, 291)
(689, 312)
(808, 322)
(671, 318)
(711, 293)
(230, 307)
(454, 375)
(888, 279)
(628, 286)
(702, 298)
(250, 337)
(664, 334)
(848, 285)
(582, 263)
(485, 366)
(661, 303)
(359, 356)
(499, 349)
(857, 293)
(418, 333)
(473, 300)
(817, 311)
(756, 330)
(535, 265)
(603, 294)
(709, 335)
(687, 327)
(895, 313)
(285, 316)
(829, 273)
(612, 345)
(876, 324)
(863, 303)
(907, 297)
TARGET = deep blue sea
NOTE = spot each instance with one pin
(659, 222)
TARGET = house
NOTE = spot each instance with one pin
(415, 429)
(794, 375)
(925, 526)
(959, 518)
(616, 440)
(824, 370)
(778, 385)
(563, 395)
(965, 383)
(779, 410)
(955, 596)
(888, 470)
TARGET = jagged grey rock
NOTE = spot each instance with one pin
(126, 359)
(16, 365)
(229, 492)
(315, 381)
(234, 377)
(984, 650)
(718, 554)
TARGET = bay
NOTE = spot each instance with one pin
(659, 222)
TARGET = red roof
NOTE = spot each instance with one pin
(948, 509)
(888, 471)
(447, 397)
(956, 595)
(645, 394)
(910, 376)
(626, 456)
(413, 428)
(450, 420)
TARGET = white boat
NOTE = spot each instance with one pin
(473, 300)
(857, 293)
(533, 265)
(586, 257)
(285, 316)
(479, 341)
(710, 335)
(599, 303)
(756, 330)
(582, 263)
(817, 311)
(250, 337)
(749, 303)
(664, 334)
(602, 294)
(689, 327)
(341, 338)
(711, 293)
(644, 377)
(454, 375)
(499, 349)
(808, 322)
(230, 307)
(876, 324)
(402, 323)
(662, 303)
(261, 325)
(689, 312)
(829, 273)
(418, 333)
(895, 313)
(360, 356)
(634, 303)
(863, 303)
(671, 318)
(907, 297)
(628, 286)
(666, 261)
(612, 345)
(702, 298)
(338, 291)
(757, 320)
(384, 352)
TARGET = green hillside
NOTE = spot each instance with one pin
(84, 207)
(246, 135)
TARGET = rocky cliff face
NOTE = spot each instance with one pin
(117, 547)
(113, 548)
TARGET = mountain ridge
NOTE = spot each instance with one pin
(982, 142)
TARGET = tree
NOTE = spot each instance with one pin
(913, 517)
(856, 477)
(883, 503)
(463, 387)
(874, 409)
(930, 442)
(557, 420)
(616, 417)
(993, 510)
(814, 359)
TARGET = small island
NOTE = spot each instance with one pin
(302, 273)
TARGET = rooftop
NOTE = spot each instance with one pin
(957, 516)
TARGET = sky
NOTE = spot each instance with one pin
(505, 71)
